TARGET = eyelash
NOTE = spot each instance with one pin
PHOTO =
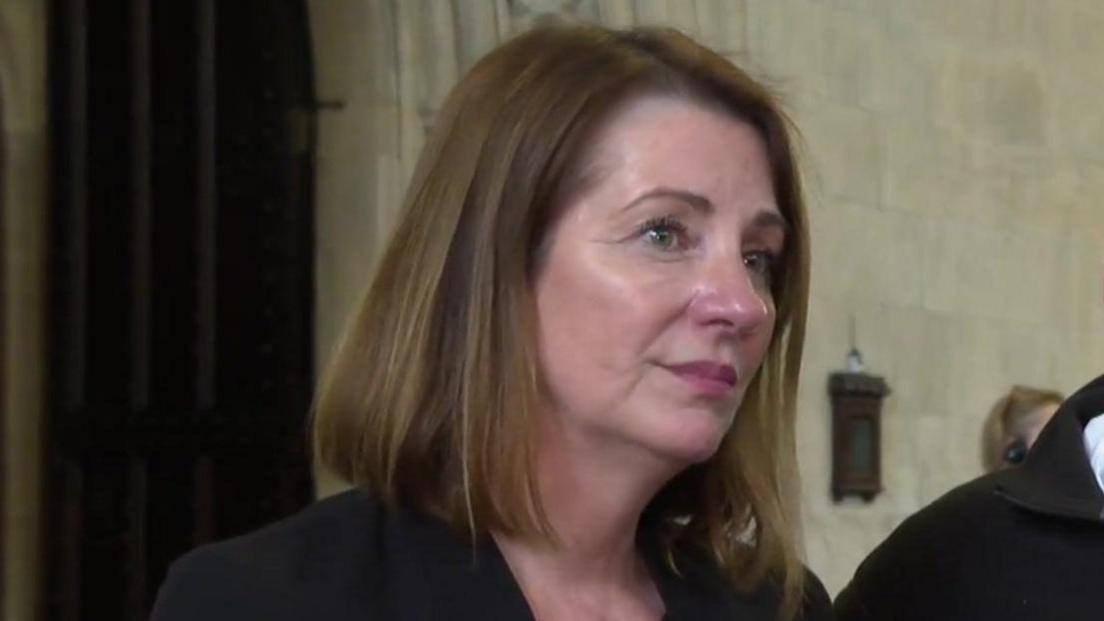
(670, 223)
(770, 259)
(769, 265)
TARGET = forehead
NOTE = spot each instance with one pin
(672, 141)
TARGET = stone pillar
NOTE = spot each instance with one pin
(23, 207)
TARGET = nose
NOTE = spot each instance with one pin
(729, 298)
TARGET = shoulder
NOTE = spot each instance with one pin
(701, 590)
(920, 557)
(299, 561)
(816, 604)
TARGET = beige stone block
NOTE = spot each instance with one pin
(980, 271)
(814, 432)
(1077, 125)
(947, 457)
(1032, 267)
(923, 168)
(963, 267)
(843, 145)
(1028, 353)
(944, 249)
(866, 253)
(616, 13)
(869, 8)
(854, 46)
(999, 101)
(527, 14)
(1073, 33)
(355, 51)
(476, 31)
(439, 43)
(721, 24)
(989, 356)
(936, 63)
(1085, 204)
(984, 196)
(1016, 25)
(827, 341)
(904, 79)
(1080, 268)
(679, 14)
(427, 69)
(983, 26)
(389, 195)
(1075, 78)
(964, 23)
(651, 12)
(1045, 195)
(975, 367)
(1078, 355)
(339, 50)
(835, 546)
(345, 217)
(586, 11)
(916, 346)
(785, 41)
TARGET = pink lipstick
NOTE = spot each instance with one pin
(712, 379)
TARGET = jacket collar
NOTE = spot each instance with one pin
(1056, 478)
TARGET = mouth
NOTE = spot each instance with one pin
(709, 378)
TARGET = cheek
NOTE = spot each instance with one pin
(597, 324)
(756, 345)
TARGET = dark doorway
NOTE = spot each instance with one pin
(180, 324)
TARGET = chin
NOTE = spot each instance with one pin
(691, 439)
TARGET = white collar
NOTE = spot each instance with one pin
(1094, 446)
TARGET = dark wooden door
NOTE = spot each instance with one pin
(180, 325)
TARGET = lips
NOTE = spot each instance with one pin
(713, 379)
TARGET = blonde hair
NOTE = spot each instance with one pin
(429, 400)
(1007, 418)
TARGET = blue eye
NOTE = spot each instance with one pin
(664, 233)
(761, 263)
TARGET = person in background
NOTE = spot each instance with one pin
(569, 391)
(1014, 423)
(1018, 544)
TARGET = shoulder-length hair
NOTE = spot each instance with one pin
(429, 401)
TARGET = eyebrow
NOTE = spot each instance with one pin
(762, 220)
(771, 219)
(697, 201)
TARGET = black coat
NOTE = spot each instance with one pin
(1021, 544)
(349, 558)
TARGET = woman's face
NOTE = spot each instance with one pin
(653, 291)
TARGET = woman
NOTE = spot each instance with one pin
(569, 392)
(1018, 544)
(1014, 423)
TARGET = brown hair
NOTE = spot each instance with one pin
(1006, 419)
(429, 400)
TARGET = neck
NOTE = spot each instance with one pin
(593, 497)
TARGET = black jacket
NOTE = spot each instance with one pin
(1021, 544)
(348, 557)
